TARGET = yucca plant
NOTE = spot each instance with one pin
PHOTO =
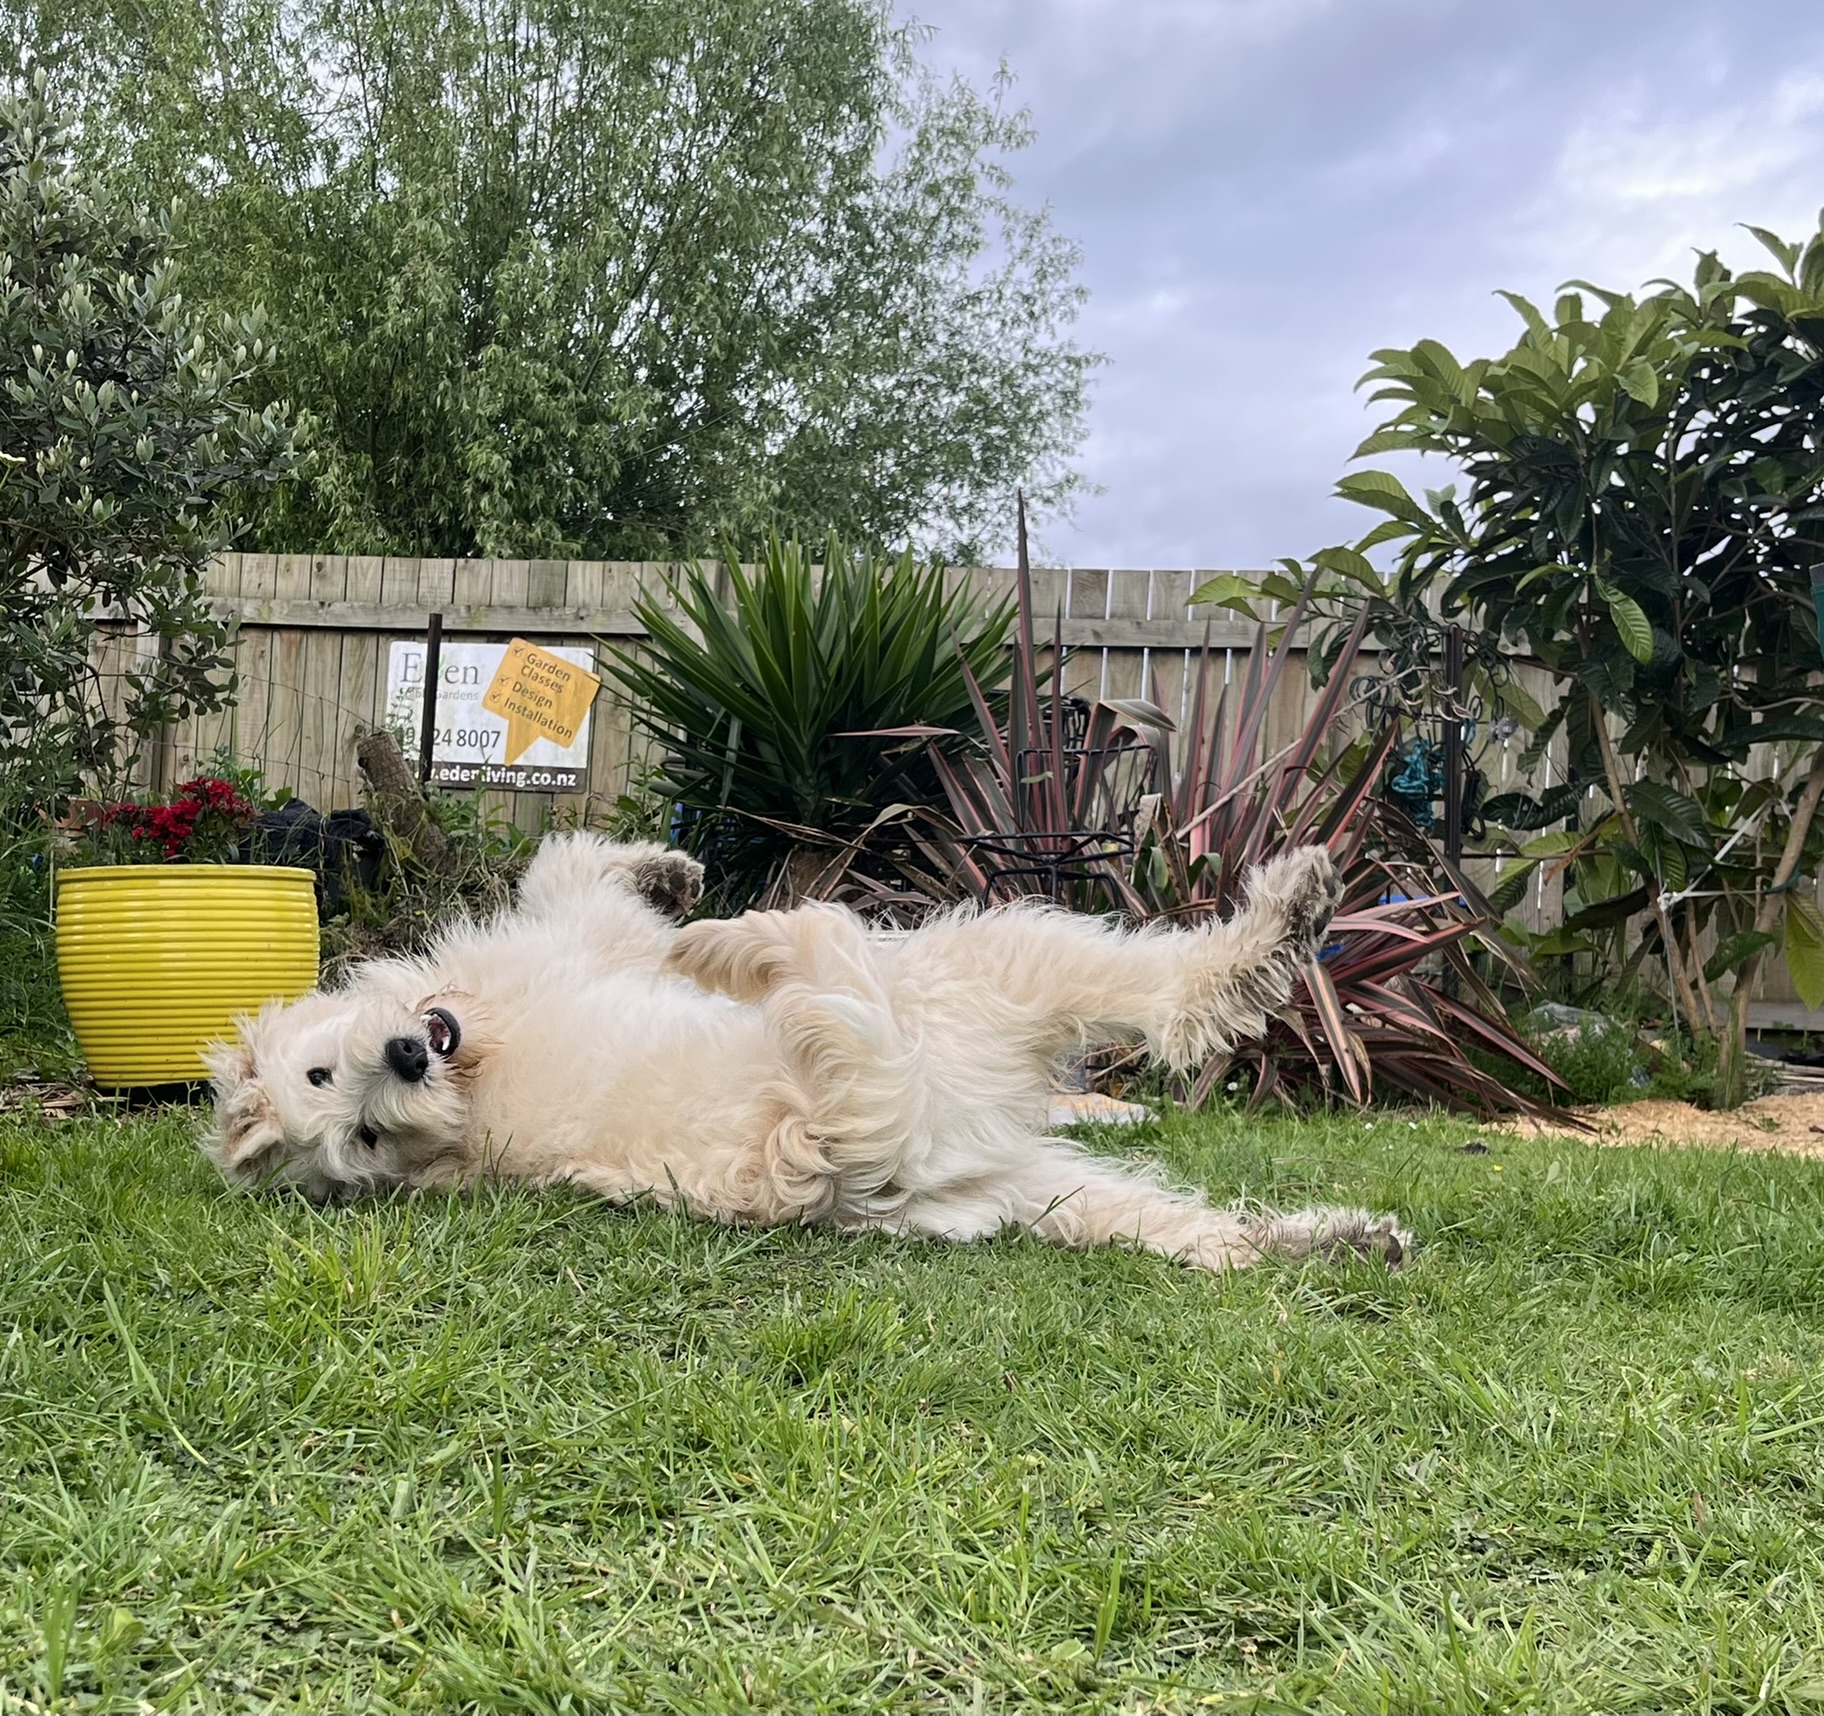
(784, 707)
(1393, 1003)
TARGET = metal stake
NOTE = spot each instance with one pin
(433, 661)
(1453, 744)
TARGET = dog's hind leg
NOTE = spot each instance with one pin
(1066, 979)
(1001, 994)
(1062, 1195)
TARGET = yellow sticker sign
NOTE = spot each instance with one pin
(540, 696)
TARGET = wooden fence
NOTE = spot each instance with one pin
(314, 632)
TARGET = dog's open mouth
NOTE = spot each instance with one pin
(442, 1032)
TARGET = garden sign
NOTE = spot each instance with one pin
(508, 715)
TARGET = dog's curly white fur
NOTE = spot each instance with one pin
(782, 1066)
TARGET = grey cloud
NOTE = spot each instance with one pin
(1266, 190)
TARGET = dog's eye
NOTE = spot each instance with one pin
(320, 1075)
(368, 1136)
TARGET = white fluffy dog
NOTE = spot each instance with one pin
(778, 1067)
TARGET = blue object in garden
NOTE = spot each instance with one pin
(1418, 783)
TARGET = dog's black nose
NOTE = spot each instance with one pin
(408, 1057)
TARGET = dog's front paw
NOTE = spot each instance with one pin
(669, 882)
(1304, 888)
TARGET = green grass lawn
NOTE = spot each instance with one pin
(521, 1453)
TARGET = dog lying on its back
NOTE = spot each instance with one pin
(778, 1067)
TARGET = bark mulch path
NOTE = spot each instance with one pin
(1791, 1125)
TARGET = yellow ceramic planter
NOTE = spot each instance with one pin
(157, 959)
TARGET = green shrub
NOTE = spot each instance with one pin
(126, 444)
(33, 1030)
(1597, 1059)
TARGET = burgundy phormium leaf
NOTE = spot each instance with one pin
(1374, 1013)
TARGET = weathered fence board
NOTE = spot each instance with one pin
(314, 633)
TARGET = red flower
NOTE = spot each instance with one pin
(206, 806)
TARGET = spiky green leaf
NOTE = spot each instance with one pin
(1228, 590)
(1670, 811)
(1385, 492)
(1732, 950)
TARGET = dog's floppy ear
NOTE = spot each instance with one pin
(228, 1063)
(246, 1126)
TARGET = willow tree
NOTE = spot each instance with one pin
(605, 277)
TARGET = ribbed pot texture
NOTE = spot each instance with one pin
(156, 960)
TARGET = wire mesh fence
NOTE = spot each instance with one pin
(315, 633)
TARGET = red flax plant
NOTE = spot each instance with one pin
(1393, 1002)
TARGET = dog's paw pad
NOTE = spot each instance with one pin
(1369, 1236)
(669, 882)
(1306, 887)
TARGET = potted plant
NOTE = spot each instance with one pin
(164, 936)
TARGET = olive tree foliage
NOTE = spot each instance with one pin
(1641, 508)
(125, 443)
(612, 278)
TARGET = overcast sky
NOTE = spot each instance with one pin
(1267, 190)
